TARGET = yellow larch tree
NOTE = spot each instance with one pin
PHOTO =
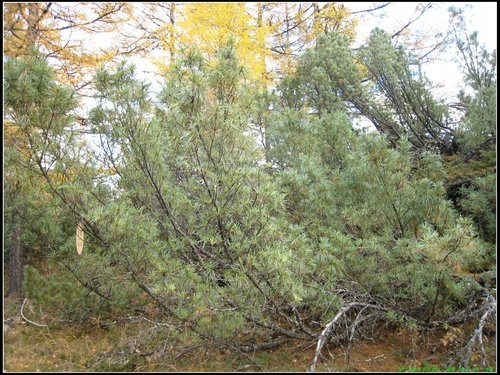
(268, 36)
(61, 31)
(208, 25)
(296, 26)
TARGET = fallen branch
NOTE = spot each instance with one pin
(380, 356)
(248, 367)
(275, 328)
(189, 349)
(329, 327)
(29, 321)
(254, 364)
(247, 348)
(356, 323)
(490, 308)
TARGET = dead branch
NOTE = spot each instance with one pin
(424, 8)
(359, 319)
(371, 10)
(29, 321)
(248, 357)
(490, 309)
(190, 348)
(329, 327)
(249, 367)
(248, 348)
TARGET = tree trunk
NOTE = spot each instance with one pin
(16, 261)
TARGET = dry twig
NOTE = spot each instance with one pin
(490, 310)
(329, 327)
(29, 321)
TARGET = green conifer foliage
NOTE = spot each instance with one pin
(368, 200)
(231, 210)
(480, 203)
(382, 83)
(197, 221)
(405, 92)
(50, 179)
(471, 178)
(477, 128)
(36, 117)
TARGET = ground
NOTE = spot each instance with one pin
(28, 348)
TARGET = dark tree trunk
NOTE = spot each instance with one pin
(16, 261)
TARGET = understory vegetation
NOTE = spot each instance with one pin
(224, 215)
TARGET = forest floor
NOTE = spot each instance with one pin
(28, 348)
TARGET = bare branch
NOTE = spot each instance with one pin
(329, 327)
(490, 307)
(29, 321)
(378, 7)
(425, 8)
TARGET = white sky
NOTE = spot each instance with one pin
(480, 16)
(445, 72)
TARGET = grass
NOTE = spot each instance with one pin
(32, 349)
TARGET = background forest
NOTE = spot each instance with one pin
(283, 184)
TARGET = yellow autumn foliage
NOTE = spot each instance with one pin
(208, 25)
(268, 36)
(62, 31)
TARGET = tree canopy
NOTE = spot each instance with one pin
(243, 206)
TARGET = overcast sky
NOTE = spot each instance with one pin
(445, 71)
(480, 16)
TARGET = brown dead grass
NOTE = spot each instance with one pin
(32, 349)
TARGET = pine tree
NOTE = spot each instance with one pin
(197, 221)
(36, 120)
(373, 205)
(49, 188)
